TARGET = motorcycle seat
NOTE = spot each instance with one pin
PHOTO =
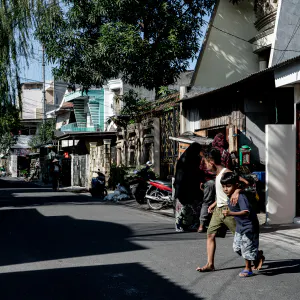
(166, 183)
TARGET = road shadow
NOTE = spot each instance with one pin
(169, 234)
(18, 193)
(113, 282)
(28, 236)
(286, 266)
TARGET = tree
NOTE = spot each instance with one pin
(147, 43)
(9, 126)
(45, 134)
(132, 111)
(16, 21)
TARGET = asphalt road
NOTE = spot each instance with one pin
(65, 246)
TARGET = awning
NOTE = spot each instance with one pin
(190, 138)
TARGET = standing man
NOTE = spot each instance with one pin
(55, 173)
(207, 185)
(219, 223)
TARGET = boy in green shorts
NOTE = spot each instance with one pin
(219, 223)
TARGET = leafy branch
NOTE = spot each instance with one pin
(45, 134)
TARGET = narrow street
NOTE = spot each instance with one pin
(65, 246)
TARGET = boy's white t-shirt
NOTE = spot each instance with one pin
(221, 196)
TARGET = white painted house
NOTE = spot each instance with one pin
(241, 41)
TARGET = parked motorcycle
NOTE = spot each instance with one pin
(159, 194)
(98, 188)
(138, 182)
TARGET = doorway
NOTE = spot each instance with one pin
(211, 133)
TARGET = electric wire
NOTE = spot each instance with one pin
(247, 41)
(290, 40)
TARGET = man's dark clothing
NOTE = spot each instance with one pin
(209, 196)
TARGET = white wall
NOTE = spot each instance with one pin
(31, 100)
(108, 104)
(281, 173)
(227, 59)
(61, 118)
(13, 165)
(288, 15)
(191, 119)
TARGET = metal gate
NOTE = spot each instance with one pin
(79, 170)
(169, 126)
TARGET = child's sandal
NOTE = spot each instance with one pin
(245, 274)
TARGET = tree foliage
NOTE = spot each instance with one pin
(9, 126)
(147, 43)
(45, 134)
(15, 25)
(16, 21)
(133, 108)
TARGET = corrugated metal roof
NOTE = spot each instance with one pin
(251, 76)
(190, 137)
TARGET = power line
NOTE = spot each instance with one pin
(293, 34)
(242, 39)
(49, 83)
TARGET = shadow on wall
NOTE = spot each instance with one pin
(114, 282)
(235, 67)
(233, 58)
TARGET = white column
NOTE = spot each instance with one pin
(14, 165)
(183, 91)
(182, 119)
(281, 173)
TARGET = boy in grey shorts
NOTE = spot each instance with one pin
(246, 239)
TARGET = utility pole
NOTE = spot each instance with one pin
(44, 86)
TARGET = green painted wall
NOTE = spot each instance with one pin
(98, 97)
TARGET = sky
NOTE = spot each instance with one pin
(33, 72)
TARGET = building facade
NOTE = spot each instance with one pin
(233, 90)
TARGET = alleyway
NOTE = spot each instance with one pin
(64, 246)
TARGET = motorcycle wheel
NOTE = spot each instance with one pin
(139, 199)
(155, 204)
(138, 195)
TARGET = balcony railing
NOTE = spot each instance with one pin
(79, 128)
